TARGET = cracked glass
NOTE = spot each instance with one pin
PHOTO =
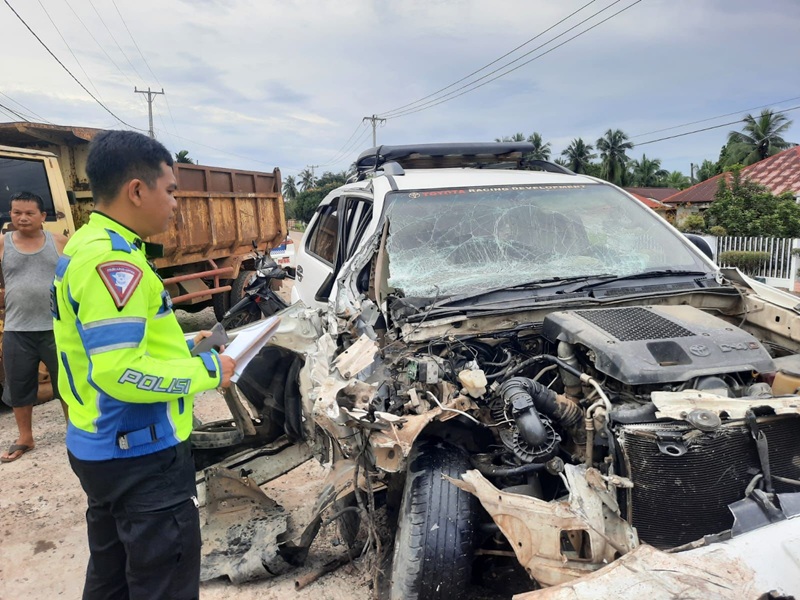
(446, 242)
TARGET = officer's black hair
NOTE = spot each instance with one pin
(116, 157)
(28, 197)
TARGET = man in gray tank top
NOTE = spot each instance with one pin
(28, 255)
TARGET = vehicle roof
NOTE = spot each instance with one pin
(415, 179)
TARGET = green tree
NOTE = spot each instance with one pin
(541, 149)
(707, 170)
(517, 137)
(677, 180)
(760, 138)
(327, 177)
(290, 188)
(183, 157)
(612, 147)
(578, 155)
(302, 208)
(307, 179)
(647, 172)
(746, 208)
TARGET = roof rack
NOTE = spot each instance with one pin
(454, 155)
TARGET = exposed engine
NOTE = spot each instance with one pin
(579, 390)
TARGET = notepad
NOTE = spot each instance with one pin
(248, 344)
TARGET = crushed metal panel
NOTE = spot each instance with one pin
(649, 574)
(357, 357)
(537, 529)
(240, 536)
(678, 405)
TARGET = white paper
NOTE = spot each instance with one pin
(248, 344)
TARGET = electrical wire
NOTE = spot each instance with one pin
(495, 61)
(147, 64)
(63, 66)
(10, 113)
(25, 108)
(99, 45)
(58, 31)
(337, 154)
(471, 87)
(343, 155)
(99, 16)
(677, 135)
(730, 114)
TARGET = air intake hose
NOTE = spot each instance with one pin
(528, 398)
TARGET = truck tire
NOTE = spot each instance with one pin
(433, 549)
(223, 302)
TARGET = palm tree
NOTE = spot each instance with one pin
(760, 138)
(517, 137)
(541, 149)
(290, 188)
(707, 170)
(677, 180)
(579, 155)
(647, 172)
(183, 157)
(612, 147)
(307, 179)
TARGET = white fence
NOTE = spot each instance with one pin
(779, 271)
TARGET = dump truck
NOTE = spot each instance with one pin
(222, 213)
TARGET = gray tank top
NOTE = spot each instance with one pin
(28, 277)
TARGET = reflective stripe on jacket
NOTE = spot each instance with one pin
(126, 372)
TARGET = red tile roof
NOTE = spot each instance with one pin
(654, 204)
(780, 173)
(656, 193)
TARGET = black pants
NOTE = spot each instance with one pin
(143, 525)
(22, 351)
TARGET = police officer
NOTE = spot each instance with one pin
(128, 377)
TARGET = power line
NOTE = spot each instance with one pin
(58, 31)
(677, 135)
(147, 64)
(486, 66)
(13, 112)
(25, 108)
(336, 157)
(737, 112)
(63, 66)
(472, 87)
(350, 147)
(99, 45)
(99, 16)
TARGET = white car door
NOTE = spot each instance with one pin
(327, 244)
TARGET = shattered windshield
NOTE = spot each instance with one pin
(454, 241)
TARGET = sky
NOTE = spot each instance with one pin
(257, 84)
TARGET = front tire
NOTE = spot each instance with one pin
(433, 550)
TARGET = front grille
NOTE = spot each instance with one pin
(634, 324)
(679, 499)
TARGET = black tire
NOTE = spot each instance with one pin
(246, 317)
(433, 549)
(223, 302)
(216, 434)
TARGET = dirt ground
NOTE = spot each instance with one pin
(43, 552)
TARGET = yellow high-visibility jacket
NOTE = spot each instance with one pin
(126, 371)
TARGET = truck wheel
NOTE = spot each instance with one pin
(433, 548)
(223, 302)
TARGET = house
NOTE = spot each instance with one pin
(779, 173)
(652, 197)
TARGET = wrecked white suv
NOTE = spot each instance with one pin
(531, 365)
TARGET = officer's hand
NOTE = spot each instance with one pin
(204, 333)
(228, 365)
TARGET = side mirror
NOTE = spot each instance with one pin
(701, 244)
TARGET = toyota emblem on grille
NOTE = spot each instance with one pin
(699, 350)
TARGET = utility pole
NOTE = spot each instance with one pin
(374, 120)
(691, 167)
(312, 167)
(150, 97)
